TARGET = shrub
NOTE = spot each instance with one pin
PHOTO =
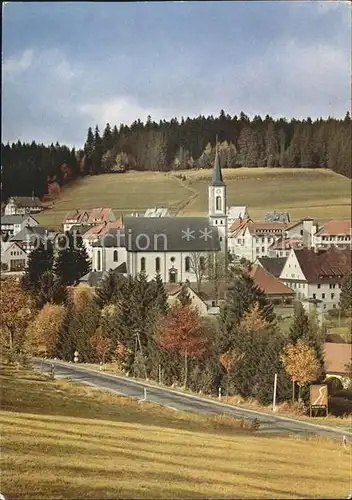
(334, 385)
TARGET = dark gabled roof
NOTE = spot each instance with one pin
(121, 269)
(273, 265)
(15, 219)
(31, 232)
(325, 265)
(170, 234)
(217, 175)
(26, 201)
(93, 278)
(277, 217)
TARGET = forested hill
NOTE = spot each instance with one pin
(189, 143)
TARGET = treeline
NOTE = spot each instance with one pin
(188, 143)
(129, 322)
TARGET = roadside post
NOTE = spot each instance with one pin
(76, 354)
(219, 393)
(274, 395)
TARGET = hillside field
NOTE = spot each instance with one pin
(65, 440)
(302, 192)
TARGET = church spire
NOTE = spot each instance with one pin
(217, 175)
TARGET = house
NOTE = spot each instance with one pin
(337, 359)
(168, 245)
(277, 217)
(157, 212)
(273, 288)
(235, 213)
(273, 265)
(100, 216)
(22, 205)
(94, 233)
(13, 257)
(31, 236)
(13, 224)
(334, 232)
(95, 278)
(77, 217)
(282, 246)
(317, 275)
(197, 300)
(252, 240)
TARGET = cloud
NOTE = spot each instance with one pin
(50, 96)
(17, 64)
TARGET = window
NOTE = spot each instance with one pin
(263, 240)
(263, 249)
(172, 259)
(173, 276)
(143, 264)
(314, 295)
(318, 286)
(220, 238)
(187, 264)
(218, 203)
(202, 263)
(334, 306)
(115, 256)
(99, 260)
(157, 265)
(257, 250)
(323, 295)
(332, 295)
(301, 232)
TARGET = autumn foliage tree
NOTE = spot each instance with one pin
(14, 315)
(100, 344)
(229, 360)
(182, 332)
(44, 331)
(301, 364)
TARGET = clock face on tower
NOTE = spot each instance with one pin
(218, 191)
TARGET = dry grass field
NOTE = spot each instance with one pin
(302, 192)
(63, 440)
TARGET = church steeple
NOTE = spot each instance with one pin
(217, 175)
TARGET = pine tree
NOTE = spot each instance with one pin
(98, 152)
(345, 303)
(49, 290)
(72, 261)
(300, 326)
(40, 260)
(110, 290)
(89, 152)
(107, 140)
(184, 296)
(160, 297)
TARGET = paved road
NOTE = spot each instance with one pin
(269, 424)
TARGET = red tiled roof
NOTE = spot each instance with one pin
(337, 356)
(239, 224)
(267, 282)
(267, 227)
(325, 265)
(101, 229)
(75, 216)
(286, 244)
(99, 215)
(335, 227)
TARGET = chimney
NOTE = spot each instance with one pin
(33, 195)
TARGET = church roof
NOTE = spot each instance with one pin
(217, 175)
(170, 234)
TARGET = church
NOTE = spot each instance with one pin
(172, 246)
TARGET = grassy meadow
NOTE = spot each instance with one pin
(64, 440)
(302, 192)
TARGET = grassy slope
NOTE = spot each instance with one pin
(317, 193)
(62, 440)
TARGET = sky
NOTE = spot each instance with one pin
(71, 65)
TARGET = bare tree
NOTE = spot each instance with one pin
(216, 272)
(198, 265)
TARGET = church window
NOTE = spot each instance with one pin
(187, 264)
(98, 260)
(143, 264)
(157, 265)
(202, 263)
(218, 203)
(172, 259)
(220, 238)
(115, 256)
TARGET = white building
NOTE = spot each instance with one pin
(13, 257)
(252, 240)
(175, 247)
(334, 232)
(22, 205)
(317, 275)
(13, 224)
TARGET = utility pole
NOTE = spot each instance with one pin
(274, 395)
(140, 347)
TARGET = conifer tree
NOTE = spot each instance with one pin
(98, 152)
(110, 290)
(49, 290)
(160, 294)
(40, 260)
(184, 296)
(89, 152)
(300, 326)
(72, 261)
(345, 303)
